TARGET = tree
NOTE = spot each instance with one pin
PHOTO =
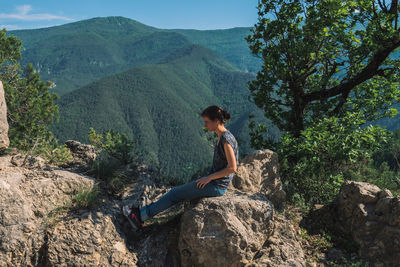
(323, 58)
(30, 105)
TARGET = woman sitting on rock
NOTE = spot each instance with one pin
(225, 162)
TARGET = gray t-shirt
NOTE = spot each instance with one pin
(219, 160)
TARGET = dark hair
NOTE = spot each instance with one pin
(215, 112)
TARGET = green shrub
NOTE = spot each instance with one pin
(315, 165)
(115, 144)
(48, 147)
(114, 152)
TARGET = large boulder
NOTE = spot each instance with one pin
(4, 141)
(27, 196)
(88, 240)
(283, 247)
(29, 192)
(225, 231)
(372, 217)
(257, 173)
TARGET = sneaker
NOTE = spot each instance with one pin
(133, 216)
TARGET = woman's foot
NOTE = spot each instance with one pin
(133, 216)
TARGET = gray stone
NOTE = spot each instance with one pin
(257, 173)
(372, 217)
(4, 141)
(225, 231)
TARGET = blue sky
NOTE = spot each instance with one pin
(165, 14)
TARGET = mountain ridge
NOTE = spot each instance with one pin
(77, 53)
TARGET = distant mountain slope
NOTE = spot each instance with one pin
(159, 105)
(78, 53)
(228, 43)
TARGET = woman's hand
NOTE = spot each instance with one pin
(200, 183)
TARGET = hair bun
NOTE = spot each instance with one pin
(215, 112)
(225, 114)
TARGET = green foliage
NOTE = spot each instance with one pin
(9, 50)
(383, 168)
(321, 59)
(47, 146)
(30, 109)
(327, 69)
(381, 176)
(30, 105)
(314, 165)
(390, 153)
(114, 152)
(115, 144)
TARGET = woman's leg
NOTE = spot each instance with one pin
(178, 194)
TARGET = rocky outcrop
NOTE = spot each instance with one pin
(372, 217)
(241, 228)
(90, 239)
(237, 229)
(4, 141)
(83, 156)
(37, 227)
(29, 192)
(283, 247)
(27, 196)
(225, 231)
(258, 173)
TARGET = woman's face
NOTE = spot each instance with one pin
(209, 124)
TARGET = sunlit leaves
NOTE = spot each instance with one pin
(313, 46)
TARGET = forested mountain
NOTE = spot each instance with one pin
(159, 104)
(228, 43)
(75, 54)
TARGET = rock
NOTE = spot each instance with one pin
(90, 240)
(225, 231)
(4, 141)
(372, 217)
(283, 248)
(82, 156)
(34, 232)
(27, 196)
(259, 173)
(83, 151)
(29, 161)
(232, 230)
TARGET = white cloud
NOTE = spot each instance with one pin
(22, 14)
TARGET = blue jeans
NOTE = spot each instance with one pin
(178, 194)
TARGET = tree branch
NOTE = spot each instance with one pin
(368, 72)
(331, 73)
(382, 5)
